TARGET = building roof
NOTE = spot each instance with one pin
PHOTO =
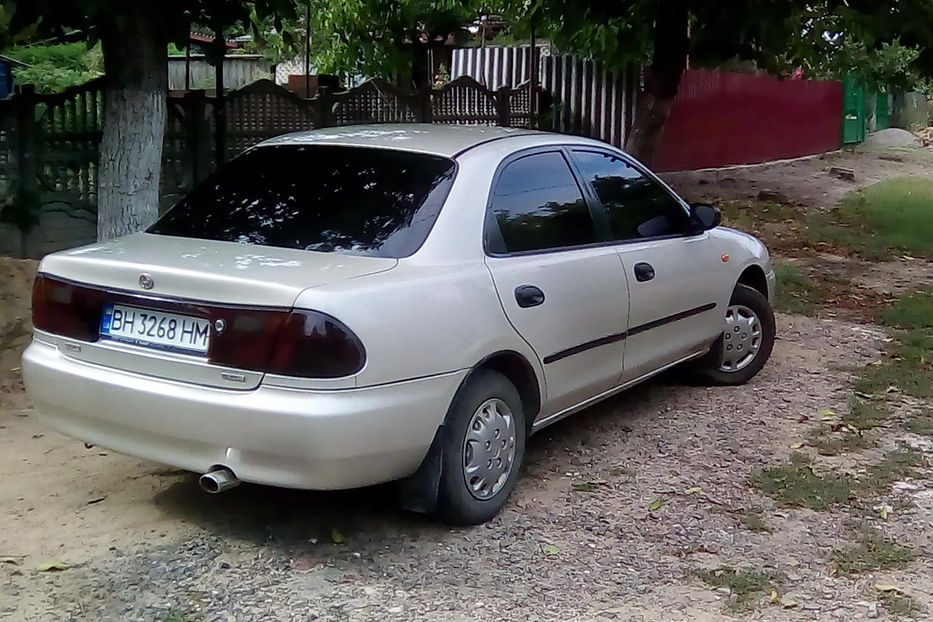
(439, 139)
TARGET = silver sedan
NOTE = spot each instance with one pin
(351, 306)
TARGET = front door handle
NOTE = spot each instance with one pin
(644, 272)
(528, 296)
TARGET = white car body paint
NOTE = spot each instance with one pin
(426, 321)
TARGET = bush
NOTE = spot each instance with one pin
(53, 68)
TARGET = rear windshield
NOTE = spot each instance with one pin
(359, 201)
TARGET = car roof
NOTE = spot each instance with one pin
(438, 139)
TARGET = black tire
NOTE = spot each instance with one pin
(709, 367)
(456, 503)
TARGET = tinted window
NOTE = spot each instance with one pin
(538, 205)
(321, 198)
(636, 205)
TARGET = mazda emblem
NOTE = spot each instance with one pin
(145, 281)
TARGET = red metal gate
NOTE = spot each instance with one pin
(730, 118)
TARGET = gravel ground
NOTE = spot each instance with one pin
(555, 553)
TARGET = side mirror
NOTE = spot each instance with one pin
(704, 217)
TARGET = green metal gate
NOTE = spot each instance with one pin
(853, 111)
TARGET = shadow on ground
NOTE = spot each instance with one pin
(294, 520)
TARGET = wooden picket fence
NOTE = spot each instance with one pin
(50, 144)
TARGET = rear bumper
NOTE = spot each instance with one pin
(283, 437)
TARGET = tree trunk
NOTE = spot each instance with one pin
(134, 119)
(662, 81)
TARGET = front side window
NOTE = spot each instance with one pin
(636, 205)
(352, 200)
(537, 205)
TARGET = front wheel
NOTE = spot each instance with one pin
(483, 449)
(746, 342)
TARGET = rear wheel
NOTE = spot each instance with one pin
(483, 449)
(746, 342)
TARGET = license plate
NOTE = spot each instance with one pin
(155, 329)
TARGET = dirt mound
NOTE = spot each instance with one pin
(891, 137)
(16, 276)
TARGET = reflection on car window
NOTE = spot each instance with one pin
(352, 200)
(636, 205)
(537, 205)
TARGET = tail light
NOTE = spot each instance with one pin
(65, 309)
(299, 343)
(315, 345)
(287, 342)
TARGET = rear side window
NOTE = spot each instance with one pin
(636, 205)
(537, 205)
(358, 201)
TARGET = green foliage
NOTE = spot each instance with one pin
(865, 414)
(796, 485)
(829, 442)
(890, 64)
(907, 368)
(914, 310)
(895, 465)
(881, 221)
(920, 424)
(754, 521)
(277, 42)
(872, 552)
(385, 38)
(170, 20)
(621, 32)
(53, 68)
(746, 586)
(795, 292)
(900, 604)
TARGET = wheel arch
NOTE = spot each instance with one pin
(419, 491)
(520, 373)
(754, 276)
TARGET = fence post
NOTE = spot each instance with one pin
(27, 194)
(426, 110)
(325, 103)
(504, 106)
(197, 130)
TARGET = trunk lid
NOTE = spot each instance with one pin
(206, 270)
(191, 278)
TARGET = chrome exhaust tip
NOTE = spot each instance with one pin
(218, 480)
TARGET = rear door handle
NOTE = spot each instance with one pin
(644, 272)
(528, 296)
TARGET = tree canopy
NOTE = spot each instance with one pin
(389, 38)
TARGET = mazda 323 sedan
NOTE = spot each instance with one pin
(351, 306)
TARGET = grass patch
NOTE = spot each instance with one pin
(881, 221)
(747, 215)
(920, 424)
(796, 485)
(795, 292)
(908, 367)
(746, 587)
(913, 311)
(865, 415)
(830, 441)
(896, 465)
(872, 552)
(754, 521)
(900, 604)
(177, 615)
